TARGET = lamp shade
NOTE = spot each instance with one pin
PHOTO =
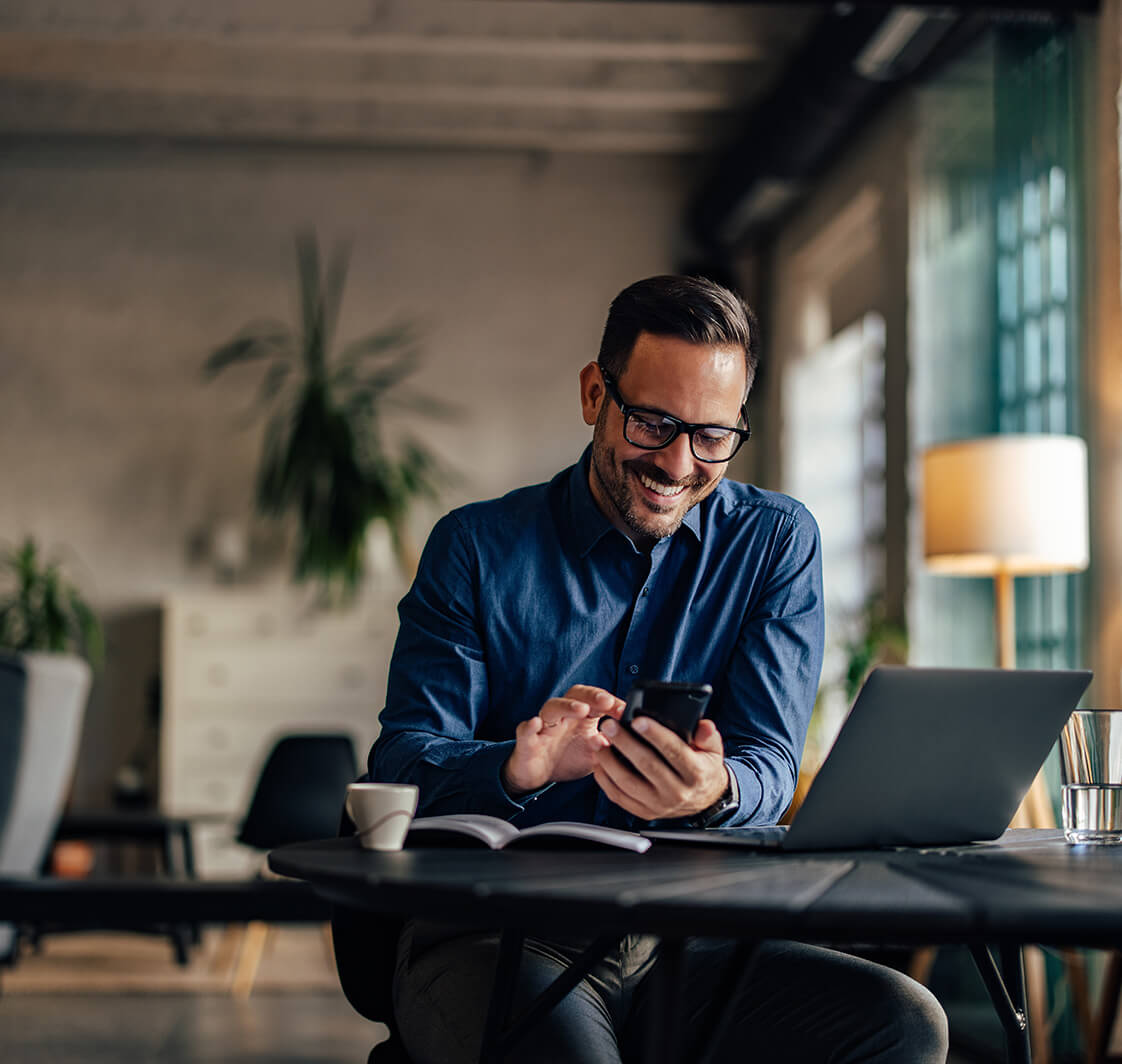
(1006, 504)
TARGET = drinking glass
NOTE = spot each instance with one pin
(1091, 748)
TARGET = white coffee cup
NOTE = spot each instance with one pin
(381, 813)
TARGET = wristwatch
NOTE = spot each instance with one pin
(721, 809)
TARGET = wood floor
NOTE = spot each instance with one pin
(283, 1027)
(121, 998)
(112, 999)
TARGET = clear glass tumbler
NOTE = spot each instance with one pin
(1091, 748)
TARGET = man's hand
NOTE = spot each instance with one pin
(685, 779)
(561, 742)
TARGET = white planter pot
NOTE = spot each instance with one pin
(58, 686)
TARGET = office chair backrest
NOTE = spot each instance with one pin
(365, 949)
(299, 792)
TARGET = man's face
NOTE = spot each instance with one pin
(646, 494)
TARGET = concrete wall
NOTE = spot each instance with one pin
(122, 266)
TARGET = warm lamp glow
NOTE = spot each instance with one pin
(1006, 506)
(1014, 504)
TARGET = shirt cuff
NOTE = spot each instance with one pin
(749, 795)
(491, 789)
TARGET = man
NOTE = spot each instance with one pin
(532, 614)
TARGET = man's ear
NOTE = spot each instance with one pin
(591, 392)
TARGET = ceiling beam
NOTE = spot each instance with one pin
(615, 29)
(63, 110)
(194, 69)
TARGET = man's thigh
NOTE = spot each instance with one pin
(798, 1005)
(441, 997)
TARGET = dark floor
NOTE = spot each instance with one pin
(179, 1028)
(281, 1028)
(119, 998)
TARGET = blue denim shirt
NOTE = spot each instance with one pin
(519, 598)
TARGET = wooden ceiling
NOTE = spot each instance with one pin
(547, 75)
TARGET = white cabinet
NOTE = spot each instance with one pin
(240, 670)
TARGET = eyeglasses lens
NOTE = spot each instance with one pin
(652, 433)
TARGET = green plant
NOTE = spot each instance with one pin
(324, 457)
(878, 640)
(40, 610)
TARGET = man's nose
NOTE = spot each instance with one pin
(676, 458)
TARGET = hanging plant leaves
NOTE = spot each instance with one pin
(323, 457)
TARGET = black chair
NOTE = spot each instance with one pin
(302, 784)
(365, 947)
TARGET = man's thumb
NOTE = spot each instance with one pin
(706, 737)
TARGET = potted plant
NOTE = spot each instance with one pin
(874, 639)
(324, 458)
(41, 611)
(47, 633)
(877, 640)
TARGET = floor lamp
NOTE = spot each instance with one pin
(1005, 506)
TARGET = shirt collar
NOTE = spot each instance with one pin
(589, 524)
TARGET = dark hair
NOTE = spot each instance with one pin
(688, 308)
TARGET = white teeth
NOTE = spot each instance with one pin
(659, 489)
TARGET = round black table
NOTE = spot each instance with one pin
(1028, 887)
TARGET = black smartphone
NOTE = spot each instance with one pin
(677, 706)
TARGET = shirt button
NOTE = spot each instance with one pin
(645, 592)
(633, 669)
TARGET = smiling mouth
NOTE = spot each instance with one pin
(666, 491)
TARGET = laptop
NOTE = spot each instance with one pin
(926, 757)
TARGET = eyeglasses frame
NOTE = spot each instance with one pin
(743, 435)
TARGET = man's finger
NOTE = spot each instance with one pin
(528, 728)
(648, 784)
(643, 750)
(600, 702)
(620, 797)
(558, 709)
(626, 778)
(666, 742)
(707, 738)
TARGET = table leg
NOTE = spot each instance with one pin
(1007, 996)
(187, 851)
(666, 1003)
(183, 936)
(1013, 968)
(502, 990)
(499, 1039)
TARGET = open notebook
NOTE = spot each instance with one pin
(926, 757)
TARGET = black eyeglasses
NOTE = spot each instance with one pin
(652, 430)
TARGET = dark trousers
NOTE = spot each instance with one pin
(800, 1004)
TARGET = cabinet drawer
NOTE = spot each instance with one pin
(211, 759)
(207, 787)
(215, 623)
(282, 671)
(248, 736)
(241, 669)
